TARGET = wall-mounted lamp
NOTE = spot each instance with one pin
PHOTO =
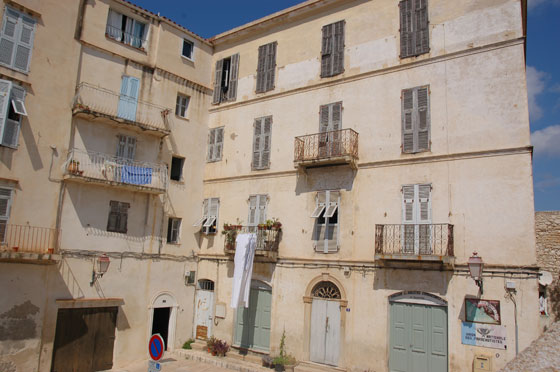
(475, 267)
(101, 264)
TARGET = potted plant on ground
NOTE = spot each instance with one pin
(284, 361)
(220, 348)
(210, 344)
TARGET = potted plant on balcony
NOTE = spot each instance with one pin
(74, 167)
(276, 224)
(230, 233)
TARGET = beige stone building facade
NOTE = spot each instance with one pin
(547, 228)
(389, 138)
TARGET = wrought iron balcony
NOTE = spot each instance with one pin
(123, 109)
(334, 147)
(268, 239)
(418, 242)
(28, 239)
(87, 166)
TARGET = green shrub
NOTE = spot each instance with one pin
(187, 344)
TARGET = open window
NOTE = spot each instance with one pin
(126, 29)
(12, 109)
(173, 230)
(225, 79)
(209, 220)
(326, 214)
(177, 164)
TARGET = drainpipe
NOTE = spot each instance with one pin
(510, 293)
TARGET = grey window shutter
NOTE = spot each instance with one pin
(407, 114)
(123, 217)
(270, 66)
(257, 143)
(421, 30)
(319, 229)
(5, 196)
(406, 13)
(408, 204)
(423, 118)
(252, 210)
(8, 39)
(24, 44)
(205, 208)
(233, 72)
(326, 50)
(424, 203)
(324, 116)
(10, 136)
(219, 143)
(130, 148)
(261, 68)
(333, 226)
(211, 145)
(266, 138)
(262, 200)
(113, 216)
(338, 48)
(5, 89)
(121, 146)
(218, 82)
(336, 116)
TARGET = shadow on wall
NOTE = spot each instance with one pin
(31, 145)
(554, 300)
(317, 179)
(413, 280)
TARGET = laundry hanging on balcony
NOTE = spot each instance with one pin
(136, 175)
(245, 246)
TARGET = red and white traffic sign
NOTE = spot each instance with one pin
(156, 347)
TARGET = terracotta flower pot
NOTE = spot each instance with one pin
(15, 249)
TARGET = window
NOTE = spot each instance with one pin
(416, 119)
(126, 147)
(330, 121)
(414, 28)
(417, 219)
(182, 105)
(225, 80)
(173, 229)
(188, 49)
(12, 108)
(332, 49)
(326, 216)
(266, 67)
(261, 142)
(177, 168)
(118, 217)
(5, 206)
(125, 29)
(209, 220)
(16, 40)
(215, 144)
(257, 210)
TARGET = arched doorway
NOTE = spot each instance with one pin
(252, 325)
(418, 332)
(163, 318)
(204, 311)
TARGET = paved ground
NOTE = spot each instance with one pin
(174, 364)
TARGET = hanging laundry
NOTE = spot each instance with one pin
(245, 246)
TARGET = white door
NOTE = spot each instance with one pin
(325, 331)
(204, 313)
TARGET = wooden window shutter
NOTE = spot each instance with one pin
(326, 50)
(5, 197)
(253, 210)
(262, 201)
(211, 144)
(8, 38)
(270, 66)
(407, 114)
(217, 94)
(324, 118)
(423, 118)
(406, 31)
(25, 43)
(261, 68)
(112, 222)
(266, 139)
(338, 48)
(233, 72)
(336, 116)
(319, 229)
(130, 147)
(121, 146)
(5, 90)
(331, 234)
(424, 203)
(219, 143)
(421, 30)
(123, 217)
(408, 193)
(257, 143)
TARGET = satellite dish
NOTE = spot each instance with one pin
(545, 278)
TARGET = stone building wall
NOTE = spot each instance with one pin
(547, 229)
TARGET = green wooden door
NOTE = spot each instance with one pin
(252, 330)
(418, 338)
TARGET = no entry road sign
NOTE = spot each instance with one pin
(156, 347)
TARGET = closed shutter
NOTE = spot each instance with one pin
(219, 144)
(5, 89)
(424, 219)
(252, 221)
(126, 147)
(423, 118)
(218, 82)
(332, 49)
(261, 68)
(113, 221)
(409, 218)
(211, 144)
(270, 66)
(257, 139)
(414, 30)
(324, 118)
(338, 48)
(406, 13)
(326, 50)
(24, 44)
(233, 72)
(407, 120)
(417, 219)
(257, 209)
(123, 217)
(416, 120)
(9, 36)
(5, 201)
(261, 142)
(421, 27)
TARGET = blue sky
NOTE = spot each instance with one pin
(211, 17)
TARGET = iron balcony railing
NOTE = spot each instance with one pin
(125, 37)
(111, 169)
(100, 101)
(267, 237)
(326, 145)
(414, 239)
(28, 239)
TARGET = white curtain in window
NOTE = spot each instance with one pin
(128, 31)
(114, 24)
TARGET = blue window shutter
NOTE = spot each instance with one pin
(8, 39)
(128, 100)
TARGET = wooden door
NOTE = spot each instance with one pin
(204, 313)
(84, 339)
(128, 99)
(325, 331)
(252, 330)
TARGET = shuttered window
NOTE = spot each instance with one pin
(173, 230)
(225, 79)
(209, 219)
(126, 147)
(215, 144)
(261, 142)
(414, 30)
(332, 49)
(417, 218)
(118, 217)
(16, 40)
(125, 29)
(182, 105)
(415, 104)
(12, 108)
(257, 210)
(326, 215)
(5, 205)
(266, 67)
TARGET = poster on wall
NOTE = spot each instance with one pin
(484, 335)
(482, 311)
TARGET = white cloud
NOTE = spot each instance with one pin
(547, 141)
(531, 4)
(535, 86)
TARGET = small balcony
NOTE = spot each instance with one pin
(326, 148)
(268, 239)
(87, 166)
(121, 109)
(24, 243)
(415, 243)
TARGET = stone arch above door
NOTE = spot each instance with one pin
(164, 299)
(325, 278)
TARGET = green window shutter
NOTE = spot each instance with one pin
(407, 115)
(257, 143)
(5, 91)
(270, 66)
(233, 72)
(406, 31)
(338, 48)
(423, 118)
(261, 68)
(24, 43)
(216, 98)
(327, 50)
(8, 39)
(421, 30)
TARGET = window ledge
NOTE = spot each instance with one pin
(174, 243)
(140, 49)
(179, 182)
(187, 58)
(10, 72)
(182, 117)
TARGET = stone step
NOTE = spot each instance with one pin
(230, 361)
(316, 367)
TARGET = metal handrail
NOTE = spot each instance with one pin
(267, 238)
(125, 37)
(29, 239)
(414, 239)
(326, 145)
